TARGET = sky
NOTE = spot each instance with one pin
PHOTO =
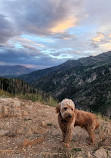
(45, 33)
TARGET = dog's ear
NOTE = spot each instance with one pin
(74, 110)
(58, 108)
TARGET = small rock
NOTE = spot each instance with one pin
(3, 132)
(101, 153)
(109, 153)
(14, 112)
(89, 155)
(81, 154)
(24, 130)
(44, 123)
(10, 107)
(24, 113)
(3, 111)
(17, 103)
(11, 134)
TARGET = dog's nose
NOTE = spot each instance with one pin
(69, 116)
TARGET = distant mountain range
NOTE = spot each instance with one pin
(99, 60)
(12, 71)
(87, 81)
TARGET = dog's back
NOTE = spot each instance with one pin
(84, 118)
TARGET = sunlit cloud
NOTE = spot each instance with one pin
(99, 37)
(27, 41)
(110, 35)
(64, 25)
(105, 46)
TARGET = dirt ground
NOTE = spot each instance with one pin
(36, 134)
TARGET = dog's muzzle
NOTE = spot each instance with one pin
(69, 116)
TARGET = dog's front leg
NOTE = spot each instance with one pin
(63, 135)
(67, 136)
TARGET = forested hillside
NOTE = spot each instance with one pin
(15, 86)
(21, 89)
(89, 87)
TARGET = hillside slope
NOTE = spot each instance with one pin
(31, 130)
(16, 87)
(70, 64)
(88, 87)
(15, 70)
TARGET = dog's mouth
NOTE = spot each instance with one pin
(67, 117)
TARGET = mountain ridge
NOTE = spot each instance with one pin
(12, 71)
(99, 60)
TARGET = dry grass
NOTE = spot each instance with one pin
(103, 132)
(4, 94)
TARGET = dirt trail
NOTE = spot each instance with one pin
(34, 133)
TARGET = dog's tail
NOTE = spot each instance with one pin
(97, 125)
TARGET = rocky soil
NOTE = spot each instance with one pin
(30, 130)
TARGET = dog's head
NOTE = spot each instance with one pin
(66, 108)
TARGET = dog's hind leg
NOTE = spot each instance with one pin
(91, 134)
(90, 129)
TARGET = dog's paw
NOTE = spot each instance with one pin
(67, 145)
(90, 142)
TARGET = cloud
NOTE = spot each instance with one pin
(27, 43)
(64, 25)
(99, 37)
(63, 36)
(48, 32)
(101, 42)
(105, 46)
(110, 35)
(6, 29)
(44, 17)
(99, 12)
(25, 56)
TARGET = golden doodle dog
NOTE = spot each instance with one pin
(68, 117)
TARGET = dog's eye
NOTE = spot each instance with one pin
(72, 109)
(65, 108)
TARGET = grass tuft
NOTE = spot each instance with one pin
(36, 97)
(5, 94)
